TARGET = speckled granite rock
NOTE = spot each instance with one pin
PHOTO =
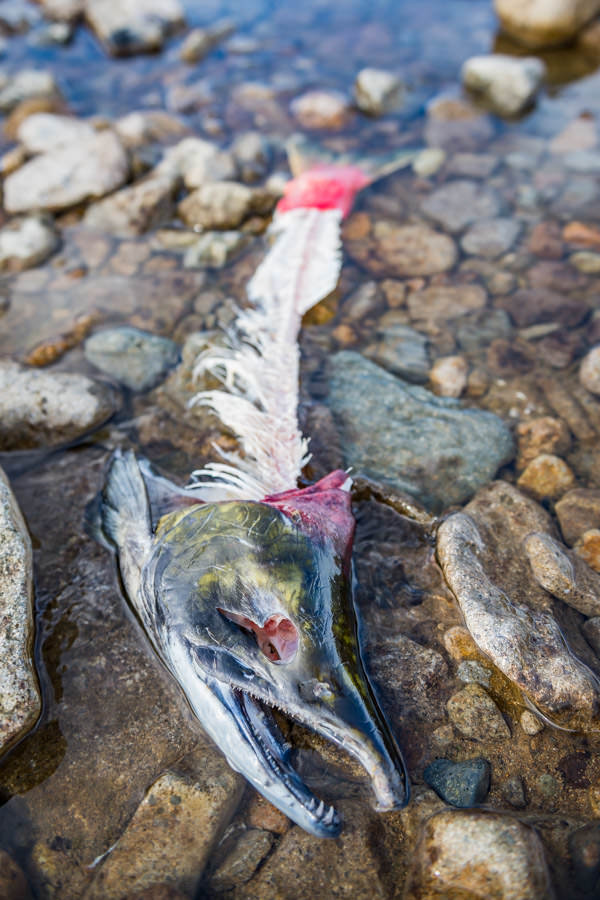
(426, 445)
(20, 701)
(563, 574)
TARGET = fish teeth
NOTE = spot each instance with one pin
(312, 803)
(329, 816)
(320, 810)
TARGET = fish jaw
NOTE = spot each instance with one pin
(253, 745)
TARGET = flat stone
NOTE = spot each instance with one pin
(513, 791)
(563, 574)
(43, 132)
(69, 175)
(377, 91)
(322, 110)
(25, 85)
(456, 124)
(543, 434)
(475, 714)
(478, 854)
(224, 204)
(530, 723)
(589, 371)
(20, 701)
(197, 162)
(536, 305)
(462, 784)
(429, 161)
(401, 350)
(200, 41)
(401, 250)
(446, 302)
(547, 477)
(422, 444)
(526, 644)
(137, 359)
(491, 237)
(252, 155)
(508, 84)
(148, 126)
(543, 24)
(26, 242)
(591, 630)
(215, 249)
(578, 134)
(45, 409)
(172, 833)
(135, 209)
(578, 511)
(473, 165)
(459, 203)
(133, 26)
(448, 376)
(587, 548)
(242, 861)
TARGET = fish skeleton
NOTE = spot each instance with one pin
(243, 581)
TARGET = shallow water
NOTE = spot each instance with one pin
(113, 721)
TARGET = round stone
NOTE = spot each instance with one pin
(589, 372)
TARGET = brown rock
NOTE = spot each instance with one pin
(510, 357)
(581, 234)
(475, 854)
(578, 511)
(134, 209)
(13, 885)
(547, 477)
(530, 306)
(446, 301)
(475, 714)
(589, 371)
(262, 814)
(541, 435)
(545, 241)
(327, 110)
(587, 547)
(224, 205)
(554, 275)
(404, 250)
(563, 574)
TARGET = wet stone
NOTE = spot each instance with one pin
(563, 574)
(584, 847)
(491, 237)
(473, 712)
(591, 630)
(462, 784)
(25, 85)
(473, 165)
(578, 511)
(536, 305)
(459, 203)
(252, 154)
(262, 814)
(215, 249)
(589, 371)
(425, 445)
(446, 302)
(506, 83)
(20, 701)
(513, 791)
(42, 132)
(530, 723)
(137, 359)
(326, 110)
(223, 204)
(588, 548)
(66, 176)
(26, 242)
(241, 862)
(13, 885)
(545, 24)
(547, 476)
(200, 41)
(540, 436)
(478, 854)
(456, 124)
(133, 210)
(470, 670)
(45, 409)
(133, 26)
(545, 241)
(377, 92)
(401, 350)
(448, 376)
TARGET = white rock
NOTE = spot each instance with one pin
(377, 91)
(42, 132)
(69, 175)
(133, 209)
(20, 703)
(26, 242)
(63, 10)
(24, 85)
(148, 125)
(507, 83)
(448, 376)
(133, 26)
(197, 162)
(542, 23)
(589, 372)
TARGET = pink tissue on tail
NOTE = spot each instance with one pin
(324, 187)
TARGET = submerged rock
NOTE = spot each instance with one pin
(425, 445)
(46, 409)
(214, 249)
(478, 854)
(461, 784)
(400, 250)
(68, 175)
(589, 372)
(137, 359)
(25, 85)
(508, 84)
(563, 574)
(543, 24)
(135, 209)
(327, 110)
(459, 203)
(473, 712)
(224, 204)
(26, 242)
(133, 26)
(20, 701)
(42, 132)
(241, 862)
(401, 350)
(377, 91)
(197, 162)
(200, 41)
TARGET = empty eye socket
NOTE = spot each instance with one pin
(278, 638)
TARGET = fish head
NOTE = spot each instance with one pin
(258, 596)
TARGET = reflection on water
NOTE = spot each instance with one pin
(518, 301)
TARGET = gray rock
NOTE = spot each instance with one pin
(473, 165)
(133, 26)
(377, 92)
(584, 847)
(583, 161)
(243, 859)
(68, 175)
(172, 832)
(483, 328)
(401, 350)
(403, 250)
(478, 854)
(470, 670)
(20, 701)
(425, 445)
(491, 237)
(197, 162)
(327, 110)
(527, 645)
(461, 784)
(252, 154)
(459, 203)
(563, 573)
(135, 209)
(591, 630)
(513, 791)
(148, 126)
(578, 511)
(473, 712)
(45, 409)
(26, 242)
(26, 84)
(365, 301)
(42, 132)
(589, 371)
(507, 84)
(543, 24)
(200, 41)
(224, 204)
(215, 249)
(137, 359)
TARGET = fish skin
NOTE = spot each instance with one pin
(208, 566)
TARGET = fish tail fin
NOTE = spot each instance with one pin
(124, 507)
